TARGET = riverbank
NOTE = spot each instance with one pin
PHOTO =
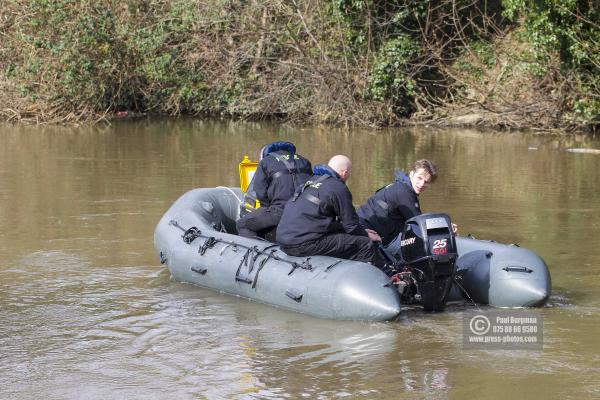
(347, 63)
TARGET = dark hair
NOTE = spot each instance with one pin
(428, 166)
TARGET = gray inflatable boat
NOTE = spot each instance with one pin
(501, 275)
(196, 242)
(209, 256)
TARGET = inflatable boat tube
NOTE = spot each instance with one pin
(500, 275)
(192, 239)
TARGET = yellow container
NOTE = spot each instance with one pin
(247, 169)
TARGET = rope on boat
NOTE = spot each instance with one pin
(189, 235)
(260, 267)
(208, 244)
(464, 291)
(244, 261)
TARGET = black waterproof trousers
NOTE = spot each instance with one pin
(341, 245)
(260, 222)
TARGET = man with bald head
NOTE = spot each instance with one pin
(320, 218)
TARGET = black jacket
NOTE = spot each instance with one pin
(389, 208)
(273, 183)
(323, 205)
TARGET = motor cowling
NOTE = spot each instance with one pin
(428, 248)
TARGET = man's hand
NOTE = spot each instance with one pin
(454, 228)
(374, 236)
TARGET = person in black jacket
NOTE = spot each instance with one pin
(320, 218)
(388, 209)
(279, 172)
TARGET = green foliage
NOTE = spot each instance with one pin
(402, 35)
(476, 60)
(484, 52)
(588, 110)
(390, 80)
(99, 56)
(332, 60)
(571, 29)
(468, 68)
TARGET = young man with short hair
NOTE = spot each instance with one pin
(390, 207)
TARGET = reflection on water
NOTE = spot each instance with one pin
(86, 310)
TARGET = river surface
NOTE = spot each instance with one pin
(88, 312)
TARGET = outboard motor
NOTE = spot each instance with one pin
(429, 253)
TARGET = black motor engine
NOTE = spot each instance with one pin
(429, 255)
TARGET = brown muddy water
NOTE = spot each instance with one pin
(88, 312)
